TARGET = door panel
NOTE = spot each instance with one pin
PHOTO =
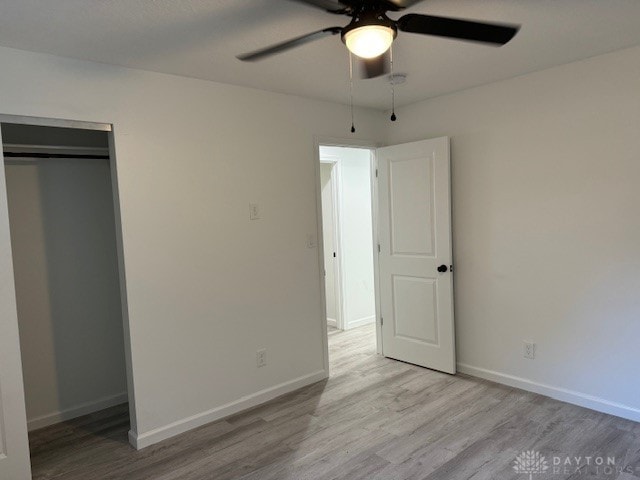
(415, 309)
(416, 300)
(14, 447)
(410, 193)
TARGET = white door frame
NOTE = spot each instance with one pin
(341, 142)
(109, 128)
(338, 264)
(14, 444)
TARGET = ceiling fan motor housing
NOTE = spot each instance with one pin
(368, 17)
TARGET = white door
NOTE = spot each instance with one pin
(14, 447)
(416, 292)
(328, 232)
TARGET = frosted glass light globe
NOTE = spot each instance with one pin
(369, 41)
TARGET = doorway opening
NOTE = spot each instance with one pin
(67, 258)
(400, 212)
(346, 191)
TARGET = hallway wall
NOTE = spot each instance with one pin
(357, 233)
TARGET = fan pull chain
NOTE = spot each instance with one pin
(353, 127)
(393, 87)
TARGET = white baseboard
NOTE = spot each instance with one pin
(569, 396)
(77, 411)
(360, 322)
(133, 439)
(332, 322)
(146, 439)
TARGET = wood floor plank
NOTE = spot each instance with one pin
(374, 419)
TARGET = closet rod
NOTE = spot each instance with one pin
(30, 156)
(14, 150)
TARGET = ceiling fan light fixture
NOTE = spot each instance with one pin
(369, 41)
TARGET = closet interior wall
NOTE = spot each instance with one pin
(63, 239)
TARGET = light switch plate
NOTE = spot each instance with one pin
(311, 240)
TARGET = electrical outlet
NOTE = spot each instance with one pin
(254, 211)
(261, 358)
(529, 350)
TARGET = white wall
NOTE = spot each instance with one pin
(356, 233)
(66, 271)
(546, 227)
(328, 233)
(206, 287)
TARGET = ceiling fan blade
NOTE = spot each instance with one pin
(375, 67)
(493, 33)
(289, 44)
(330, 6)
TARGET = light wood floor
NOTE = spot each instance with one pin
(374, 419)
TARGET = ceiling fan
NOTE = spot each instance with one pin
(371, 32)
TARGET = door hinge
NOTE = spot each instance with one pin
(381, 321)
(376, 173)
(378, 248)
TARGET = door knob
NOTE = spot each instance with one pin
(442, 268)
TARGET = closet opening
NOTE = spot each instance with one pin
(67, 257)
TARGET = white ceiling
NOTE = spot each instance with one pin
(200, 38)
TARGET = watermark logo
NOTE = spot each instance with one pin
(531, 463)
